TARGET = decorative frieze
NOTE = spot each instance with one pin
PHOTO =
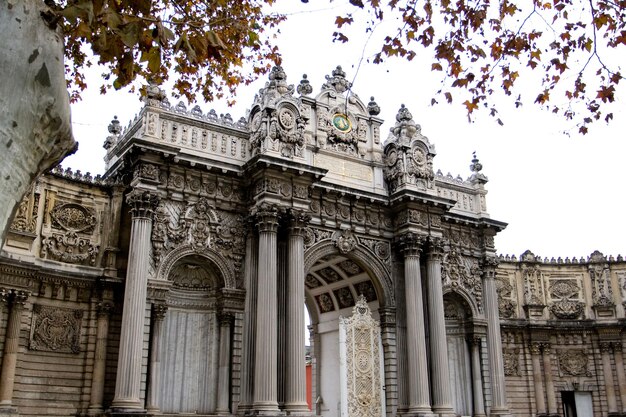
(55, 329)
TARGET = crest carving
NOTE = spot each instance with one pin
(344, 241)
(69, 247)
(462, 272)
(567, 309)
(55, 329)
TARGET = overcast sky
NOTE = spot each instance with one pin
(561, 195)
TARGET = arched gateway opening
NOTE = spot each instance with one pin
(333, 284)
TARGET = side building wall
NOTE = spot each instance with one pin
(562, 334)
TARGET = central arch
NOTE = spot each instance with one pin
(333, 283)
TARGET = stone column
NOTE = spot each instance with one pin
(547, 370)
(103, 311)
(419, 397)
(226, 321)
(440, 375)
(11, 347)
(154, 384)
(494, 340)
(295, 395)
(265, 372)
(621, 377)
(535, 355)
(249, 324)
(477, 380)
(128, 381)
(609, 384)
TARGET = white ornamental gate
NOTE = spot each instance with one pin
(361, 362)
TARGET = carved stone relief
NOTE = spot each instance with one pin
(511, 362)
(573, 362)
(55, 329)
(602, 293)
(506, 305)
(25, 219)
(533, 288)
(73, 217)
(69, 247)
(462, 272)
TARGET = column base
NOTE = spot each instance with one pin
(298, 409)
(126, 412)
(8, 411)
(419, 413)
(446, 412)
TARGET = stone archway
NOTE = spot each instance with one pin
(333, 284)
(190, 339)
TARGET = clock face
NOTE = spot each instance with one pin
(342, 123)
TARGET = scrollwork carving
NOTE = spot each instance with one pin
(573, 362)
(70, 248)
(73, 217)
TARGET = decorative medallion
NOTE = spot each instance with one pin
(345, 241)
(55, 329)
(342, 123)
(73, 217)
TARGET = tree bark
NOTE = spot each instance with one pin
(35, 129)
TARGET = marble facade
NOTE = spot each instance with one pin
(175, 283)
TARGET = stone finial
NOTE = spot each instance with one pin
(115, 129)
(405, 127)
(337, 81)
(476, 166)
(304, 88)
(155, 95)
(373, 108)
(278, 80)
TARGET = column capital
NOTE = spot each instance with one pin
(545, 347)
(617, 346)
(4, 295)
(298, 221)
(475, 340)
(104, 308)
(436, 246)
(606, 347)
(411, 244)
(226, 319)
(488, 265)
(159, 310)
(142, 203)
(266, 217)
(19, 298)
(535, 348)
(387, 317)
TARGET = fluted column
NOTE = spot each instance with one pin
(17, 299)
(609, 384)
(249, 324)
(103, 312)
(621, 377)
(265, 372)
(535, 356)
(154, 384)
(477, 380)
(223, 382)
(494, 341)
(295, 396)
(128, 381)
(388, 340)
(440, 378)
(419, 397)
(547, 369)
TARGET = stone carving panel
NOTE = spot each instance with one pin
(462, 272)
(25, 219)
(506, 305)
(602, 293)
(360, 362)
(73, 217)
(511, 362)
(69, 247)
(55, 329)
(573, 362)
(533, 282)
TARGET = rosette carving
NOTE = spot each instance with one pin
(73, 217)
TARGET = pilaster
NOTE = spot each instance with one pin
(477, 380)
(609, 384)
(535, 355)
(17, 300)
(547, 369)
(159, 310)
(249, 323)
(226, 321)
(103, 312)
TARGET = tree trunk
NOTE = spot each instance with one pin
(35, 129)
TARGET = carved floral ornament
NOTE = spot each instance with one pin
(462, 272)
(511, 362)
(25, 220)
(196, 225)
(70, 248)
(573, 362)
